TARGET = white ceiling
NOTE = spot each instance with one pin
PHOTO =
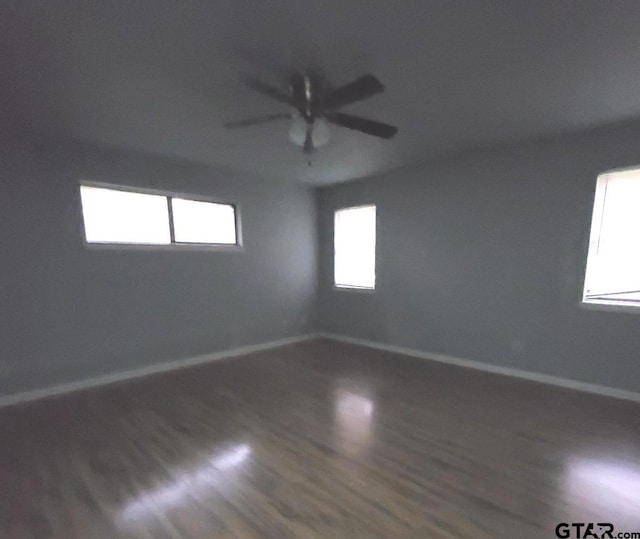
(164, 76)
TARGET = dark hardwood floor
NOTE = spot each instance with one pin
(319, 439)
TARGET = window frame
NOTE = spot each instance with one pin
(599, 303)
(173, 245)
(353, 288)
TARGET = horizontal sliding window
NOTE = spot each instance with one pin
(127, 217)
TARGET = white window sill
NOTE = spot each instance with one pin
(611, 305)
(349, 288)
(162, 246)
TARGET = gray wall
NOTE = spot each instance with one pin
(479, 257)
(68, 312)
(482, 257)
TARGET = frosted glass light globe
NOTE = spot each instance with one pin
(320, 132)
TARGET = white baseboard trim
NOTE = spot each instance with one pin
(36, 394)
(495, 369)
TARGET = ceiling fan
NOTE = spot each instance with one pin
(314, 103)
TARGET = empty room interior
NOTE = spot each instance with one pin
(320, 269)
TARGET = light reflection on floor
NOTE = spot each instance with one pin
(200, 481)
(354, 415)
(604, 488)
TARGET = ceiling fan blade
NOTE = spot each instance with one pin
(258, 120)
(361, 88)
(370, 127)
(268, 90)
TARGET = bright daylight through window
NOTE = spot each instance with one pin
(355, 247)
(113, 216)
(613, 264)
(125, 217)
(203, 222)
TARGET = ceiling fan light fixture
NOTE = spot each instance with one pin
(314, 104)
(298, 130)
(320, 133)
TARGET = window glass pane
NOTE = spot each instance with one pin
(203, 222)
(355, 247)
(113, 216)
(613, 265)
(620, 222)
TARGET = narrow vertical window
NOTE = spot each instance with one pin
(613, 264)
(355, 247)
